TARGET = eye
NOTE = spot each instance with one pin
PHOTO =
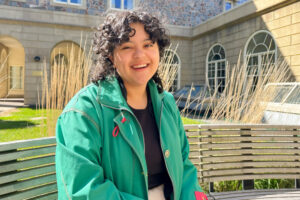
(149, 45)
(125, 47)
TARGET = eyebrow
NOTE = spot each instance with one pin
(145, 40)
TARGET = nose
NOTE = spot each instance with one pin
(139, 52)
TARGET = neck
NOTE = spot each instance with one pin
(137, 96)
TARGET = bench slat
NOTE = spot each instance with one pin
(252, 145)
(247, 177)
(251, 157)
(31, 193)
(51, 196)
(21, 185)
(267, 170)
(246, 164)
(251, 138)
(10, 177)
(247, 151)
(6, 146)
(26, 153)
(16, 165)
(247, 126)
(242, 132)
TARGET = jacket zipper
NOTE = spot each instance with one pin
(163, 152)
(146, 181)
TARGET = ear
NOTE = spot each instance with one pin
(110, 57)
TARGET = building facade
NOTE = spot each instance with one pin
(209, 34)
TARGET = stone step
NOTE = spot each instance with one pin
(12, 100)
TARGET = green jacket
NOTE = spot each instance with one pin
(100, 147)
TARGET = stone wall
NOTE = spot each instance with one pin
(38, 40)
(183, 13)
(175, 12)
(283, 24)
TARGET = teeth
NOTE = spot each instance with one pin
(139, 66)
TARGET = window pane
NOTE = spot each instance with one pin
(116, 4)
(128, 4)
(294, 98)
(221, 69)
(260, 48)
(217, 49)
(221, 85)
(250, 47)
(211, 55)
(222, 53)
(211, 70)
(280, 92)
(76, 1)
(272, 46)
(216, 57)
(171, 57)
(211, 83)
(228, 5)
(62, 1)
(271, 57)
(16, 77)
(260, 38)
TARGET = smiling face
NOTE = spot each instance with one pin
(137, 60)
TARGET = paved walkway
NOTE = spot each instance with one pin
(286, 194)
(11, 103)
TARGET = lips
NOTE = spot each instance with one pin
(140, 66)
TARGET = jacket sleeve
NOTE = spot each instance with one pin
(78, 161)
(190, 185)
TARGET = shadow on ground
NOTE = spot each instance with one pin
(4, 124)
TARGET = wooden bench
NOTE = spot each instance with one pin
(27, 169)
(246, 152)
(220, 152)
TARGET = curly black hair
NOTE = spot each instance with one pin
(116, 30)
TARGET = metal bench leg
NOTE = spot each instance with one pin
(297, 183)
(211, 187)
(248, 184)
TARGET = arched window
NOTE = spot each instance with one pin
(216, 68)
(172, 64)
(260, 52)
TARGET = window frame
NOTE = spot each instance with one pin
(122, 5)
(260, 54)
(20, 79)
(216, 78)
(178, 70)
(283, 106)
(69, 4)
(234, 3)
(228, 1)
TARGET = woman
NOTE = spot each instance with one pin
(122, 137)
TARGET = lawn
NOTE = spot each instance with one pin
(22, 124)
(28, 123)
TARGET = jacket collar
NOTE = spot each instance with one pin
(110, 94)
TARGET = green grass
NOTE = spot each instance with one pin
(190, 121)
(21, 125)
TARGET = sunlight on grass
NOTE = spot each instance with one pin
(186, 120)
(23, 124)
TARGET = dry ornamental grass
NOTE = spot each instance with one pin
(240, 101)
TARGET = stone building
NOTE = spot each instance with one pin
(209, 34)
